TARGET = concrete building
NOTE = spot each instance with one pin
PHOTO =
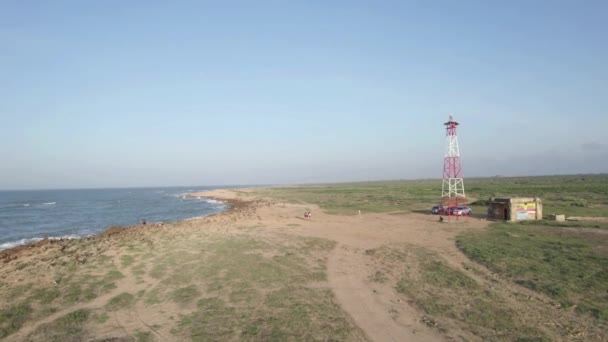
(515, 209)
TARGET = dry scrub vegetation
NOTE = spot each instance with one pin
(204, 286)
(263, 273)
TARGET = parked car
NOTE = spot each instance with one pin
(461, 210)
(436, 210)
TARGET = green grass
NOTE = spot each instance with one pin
(566, 224)
(112, 275)
(241, 260)
(303, 314)
(439, 274)
(204, 324)
(570, 267)
(66, 328)
(579, 195)
(143, 336)
(78, 288)
(45, 295)
(42, 301)
(139, 269)
(74, 293)
(348, 199)
(121, 301)
(17, 291)
(126, 260)
(153, 297)
(13, 317)
(101, 317)
(256, 291)
(288, 314)
(185, 295)
(158, 271)
(446, 294)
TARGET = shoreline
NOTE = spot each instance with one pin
(43, 243)
(263, 258)
(37, 228)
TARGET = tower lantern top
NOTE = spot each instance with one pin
(451, 122)
(453, 197)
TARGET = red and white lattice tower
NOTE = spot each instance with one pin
(452, 188)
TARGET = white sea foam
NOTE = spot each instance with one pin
(49, 203)
(22, 242)
(212, 201)
(26, 205)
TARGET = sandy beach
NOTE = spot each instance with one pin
(295, 171)
(259, 271)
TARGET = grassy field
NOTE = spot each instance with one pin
(580, 195)
(245, 285)
(567, 261)
(568, 265)
(213, 287)
(449, 298)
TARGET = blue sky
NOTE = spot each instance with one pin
(151, 93)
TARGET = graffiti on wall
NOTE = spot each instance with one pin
(525, 211)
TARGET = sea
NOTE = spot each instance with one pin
(30, 216)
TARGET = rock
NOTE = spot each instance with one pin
(428, 321)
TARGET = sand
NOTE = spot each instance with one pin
(375, 310)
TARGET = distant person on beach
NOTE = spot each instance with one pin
(307, 215)
(143, 222)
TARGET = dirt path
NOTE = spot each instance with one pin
(381, 312)
(368, 306)
(375, 308)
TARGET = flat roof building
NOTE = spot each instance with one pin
(515, 208)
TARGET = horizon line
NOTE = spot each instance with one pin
(219, 186)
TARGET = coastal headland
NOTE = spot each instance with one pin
(261, 271)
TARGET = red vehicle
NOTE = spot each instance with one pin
(461, 210)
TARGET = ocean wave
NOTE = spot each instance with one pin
(22, 242)
(212, 201)
(14, 206)
(49, 203)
